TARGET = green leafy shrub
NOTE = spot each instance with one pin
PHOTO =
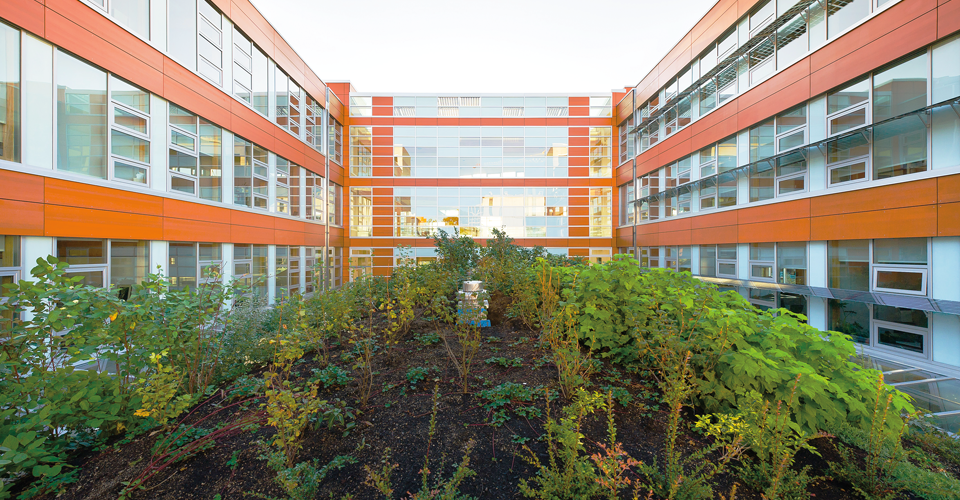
(626, 312)
(331, 376)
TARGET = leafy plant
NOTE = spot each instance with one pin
(158, 393)
(416, 375)
(302, 481)
(775, 439)
(504, 362)
(331, 376)
(567, 473)
(507, 393)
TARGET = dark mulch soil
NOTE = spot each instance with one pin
(398, 417)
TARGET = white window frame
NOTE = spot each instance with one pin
(200, 59)
(846, 163)
(726, 261)
(777, 179)
(877, 268)
(772, 264)
(763, 65)
(875, 325)
(114, 126)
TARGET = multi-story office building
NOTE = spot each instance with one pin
(804, 153)
(807, 155)
(537, 166)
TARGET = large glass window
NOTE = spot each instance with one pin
(195, 155)
(334, 202)
(312, 193)
(847, 107)
(792, 263)
(129, 132)
(9, 270)
(900, 265)
(288, 271)
(9, 93)
(848, 159)
(134, 14)
(849, 264)
(727, 261)
(762, 261)
(601, 152)
(118, 263)
(850, 318)
(601, 207)
(361, 212)
(313, 111)
(193, 263)
(182, 33)
(900, 146)
(250, 267)
(81, 117)
(250, 174)
(250, 79)
(335, 151)
(842, 14)
(288, 101)
(285, 170)
(210, 43)
(129, 264)
(708, 260)
(901, 328)
(361, 151)
(762, 141)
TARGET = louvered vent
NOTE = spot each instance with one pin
(470, 102)
(404, 111)
(512, 111)
(448, 111)
(449, 101)
(557, 111)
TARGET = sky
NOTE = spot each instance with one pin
(491, 46)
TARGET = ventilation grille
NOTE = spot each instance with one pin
(404, 111)
(448, 111)
(512, 111)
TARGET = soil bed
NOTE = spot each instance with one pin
(398, 416)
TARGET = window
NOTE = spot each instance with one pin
(310, 257)
(900, 146)
(791, 128)
(210, 43)
(288, 271)
(761, 61)
(708, 96)
(708, 194)
(904, 329)
(361, 212)
(182, 33)
(850, 318)
(848, 159)
(847, 107)
(683, 259)
(601, 152)
(627, 139)
(627, 197)
(361, 263)
(762, 261)
(670, 258)
(780, 177)
(288, 103)
(129, 132)
(727, 261)
(762, 298)
(250, 174)
(727, 154)
(131, 14)
(250, 267)
(900, 265)
(313, 188)
(336, 141)
(313, 111)
(727, 189)
(195, 156)
(193, 263)
(361, 151)
(849, 264)
(708, 260)
(650, 257)
(792, 263)
(285, 171)
(9, 269)
(601, 206)
(726, 84)
(334, 194)
(761, 16)
(250, 79)
(792, 302)
(334, 264)
(9, 93)
(708, 161)
(762, 141)
(116, 263)
(842, 14)
(81, 117)
(791, 40)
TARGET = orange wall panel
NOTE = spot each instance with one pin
(948, 219)
(896, 223)
(78, 222)
(21, 218)
(74, 194)
(922, 192)
(21, 187)
(193, 230)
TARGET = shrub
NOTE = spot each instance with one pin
(735, 348)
